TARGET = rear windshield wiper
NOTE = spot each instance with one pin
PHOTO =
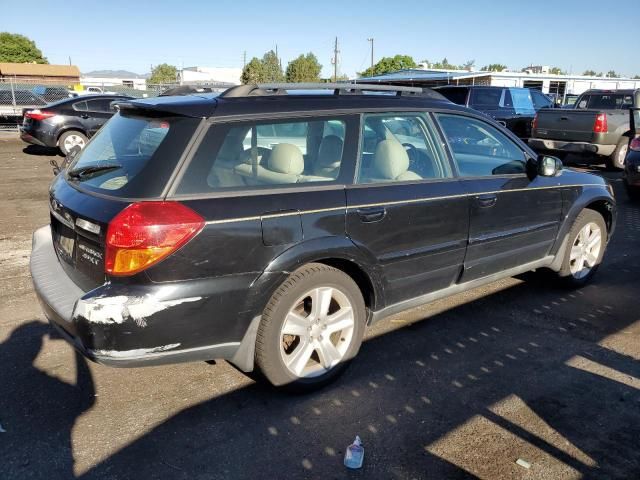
(89, 170)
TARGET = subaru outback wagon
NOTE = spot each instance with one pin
(269, 225)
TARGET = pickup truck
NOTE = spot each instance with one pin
(598, 124)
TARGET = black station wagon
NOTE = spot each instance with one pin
(269, 225)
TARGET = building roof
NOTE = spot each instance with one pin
(408, 75)
(39, 70)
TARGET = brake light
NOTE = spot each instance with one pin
(635, 144)
(600, 125)
(38, 114)
(146, 232)
(534, 124)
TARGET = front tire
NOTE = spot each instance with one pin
(71, 139)
(311, 328)
(587, 242)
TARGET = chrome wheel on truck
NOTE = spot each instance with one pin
(311, 327)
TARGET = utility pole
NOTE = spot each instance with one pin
(69, 59)
(244, 59)
(335, 61)
(371, 41)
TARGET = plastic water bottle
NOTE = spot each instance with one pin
(354, 456)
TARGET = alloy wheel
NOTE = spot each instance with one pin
(317, 332)
(585, 250)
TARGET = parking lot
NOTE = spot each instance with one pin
(466, 387)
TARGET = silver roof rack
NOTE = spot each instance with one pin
(261, 89)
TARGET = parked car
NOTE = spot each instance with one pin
(174, 239)
(597, 125)
(52, 94)
(67, 123)
(631, 173)
(20, 97)
(512, 107)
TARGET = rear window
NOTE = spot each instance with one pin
(132, 156)
(608, 101)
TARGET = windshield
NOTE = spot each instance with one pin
(132, 156)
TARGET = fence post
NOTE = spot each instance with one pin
(13, 93)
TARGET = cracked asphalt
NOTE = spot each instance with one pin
(517, 371)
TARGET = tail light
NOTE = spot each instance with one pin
(635, 144)
(39, 114)
(534, 124)
(600, 125)
(146, 232)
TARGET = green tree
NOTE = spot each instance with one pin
(468, 65)
(253, 72)
(163, 73)
(589, 73)
(15, 48)
(636, 77)
(271, 68)
(389, 64)
(494, 67)
(612, 74)
(305, 68)
(557, 71)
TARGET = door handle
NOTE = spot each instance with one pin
(486, 201)
(371, 215)
(84, 115)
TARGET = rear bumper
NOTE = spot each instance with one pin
(541, 144)
(129, 326)
(37, 137)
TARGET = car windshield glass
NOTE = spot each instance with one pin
(132, 156)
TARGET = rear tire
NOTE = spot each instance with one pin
(70, 139)
(584, 252)
(616, 160)
(311, 328)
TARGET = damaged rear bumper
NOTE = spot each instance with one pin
(135, 325)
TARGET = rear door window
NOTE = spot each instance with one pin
(267, 154)
(102, 105)
(132, 156)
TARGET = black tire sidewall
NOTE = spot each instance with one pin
(585, 217)
(300, 282)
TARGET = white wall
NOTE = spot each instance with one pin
(138, 83)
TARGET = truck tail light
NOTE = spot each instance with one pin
(38, 114)
(534, 123)
(635, 144)
(146, 232)
(600, 125)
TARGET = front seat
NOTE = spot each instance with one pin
(391, 162)
(329, 157)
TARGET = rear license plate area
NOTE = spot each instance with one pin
(63, 241)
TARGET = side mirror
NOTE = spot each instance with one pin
(549, 166)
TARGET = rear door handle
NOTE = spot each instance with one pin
(486, 201)
(371, 215)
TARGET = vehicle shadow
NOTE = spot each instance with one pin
(424, 398)
(37, 410)
(41, 151)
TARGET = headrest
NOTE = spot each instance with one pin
(286, 158)
(330, 151)
(391, 159)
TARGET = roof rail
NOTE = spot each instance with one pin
(261, 89)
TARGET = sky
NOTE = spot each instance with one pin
(133, 35)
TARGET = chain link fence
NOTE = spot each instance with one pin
(18, 94)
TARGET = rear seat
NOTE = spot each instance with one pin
(390, 162)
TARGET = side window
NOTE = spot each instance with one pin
(540, 100)
(101, 105)
(80, 106)
(400, 147)
(480, 149)
(254, 155)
